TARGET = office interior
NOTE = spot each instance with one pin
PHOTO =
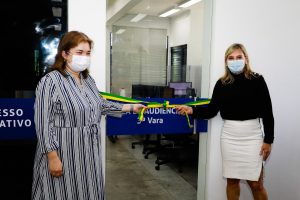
(160, 58)
(270, 32)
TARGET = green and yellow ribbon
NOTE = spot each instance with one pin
(119, 98)
(165, 104)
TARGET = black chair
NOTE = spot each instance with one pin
(139, 91)
(190, 92)
(147, 143)
(178, 149)
(150, 146)
(145, 91)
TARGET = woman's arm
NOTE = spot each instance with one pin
(212, 109)
(109, 106)
(204, 112)
(133, 107)
(266, 111)
(43, 113)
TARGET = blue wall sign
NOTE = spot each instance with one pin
(156, 121)
(16, 119)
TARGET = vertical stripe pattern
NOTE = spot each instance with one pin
(67, 119)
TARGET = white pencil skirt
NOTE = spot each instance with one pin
(241, 142)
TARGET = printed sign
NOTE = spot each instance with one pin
(16, 119)
(156, 121)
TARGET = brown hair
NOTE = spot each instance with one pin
(69, 40)
(227, 78)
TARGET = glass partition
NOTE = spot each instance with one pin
(144, 61)
(138, 56)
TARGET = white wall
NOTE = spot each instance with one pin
(187, 28)
(180, 29)
(270, 31)
(195, 35)
(90, 17)
(92, 22)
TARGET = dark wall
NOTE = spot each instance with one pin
(21, 55)
(26, 26)
(16, 169)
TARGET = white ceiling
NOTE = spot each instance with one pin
(153, 7)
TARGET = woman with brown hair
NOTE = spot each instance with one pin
(243, 99)
(68, 108)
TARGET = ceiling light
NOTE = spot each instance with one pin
(169, 12)
(120, 31)
(138, 17)
(189, 3)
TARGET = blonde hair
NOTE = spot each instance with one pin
(69, 40)
(227, 78)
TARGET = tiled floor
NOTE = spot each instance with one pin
(129, 176)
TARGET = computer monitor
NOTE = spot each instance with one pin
(145, 91)
(180, 87)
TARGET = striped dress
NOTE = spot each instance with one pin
(67, 119)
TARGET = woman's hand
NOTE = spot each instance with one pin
(265, 151)
(182, 110)
(138, 107)
(54, 164)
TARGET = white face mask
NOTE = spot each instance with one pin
(79, 63)
(236, 66)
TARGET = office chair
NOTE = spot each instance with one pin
(179, 149)
(139, 91)
(166, 92)
(190, 92)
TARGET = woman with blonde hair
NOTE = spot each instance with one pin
(243, 100)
